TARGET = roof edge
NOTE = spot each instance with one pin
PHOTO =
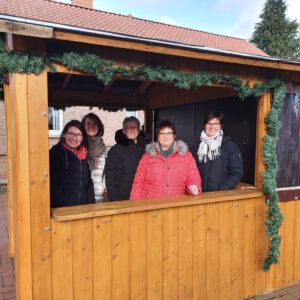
(145, 40)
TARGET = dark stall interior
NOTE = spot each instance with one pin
(239, 123)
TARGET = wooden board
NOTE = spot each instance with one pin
(170, 253)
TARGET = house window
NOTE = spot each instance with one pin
(130, 113)
(55, 121)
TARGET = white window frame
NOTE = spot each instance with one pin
(56, 133)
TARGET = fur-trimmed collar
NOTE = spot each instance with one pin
(178, 146)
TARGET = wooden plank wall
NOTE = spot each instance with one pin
(209, 251)
(287, 271)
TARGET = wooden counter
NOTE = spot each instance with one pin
(119, 207)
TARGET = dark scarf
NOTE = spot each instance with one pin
(166, 153)
(96, 149)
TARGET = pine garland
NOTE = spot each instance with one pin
(104, 70)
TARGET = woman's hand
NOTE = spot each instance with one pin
(193, 189)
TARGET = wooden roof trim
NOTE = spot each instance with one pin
(148, 47)
(89, 98)
(26, 29)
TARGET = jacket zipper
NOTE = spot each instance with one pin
(80, 181)
(169, 179)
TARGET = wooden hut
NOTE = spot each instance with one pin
(206, 247)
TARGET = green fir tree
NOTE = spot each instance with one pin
(275, 34)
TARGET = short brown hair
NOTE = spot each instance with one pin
(165, 124)
(213, 115)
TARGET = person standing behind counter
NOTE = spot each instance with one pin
(97, 152)
(167, 168)
(70, 177)
(123, 159)
(218, 158)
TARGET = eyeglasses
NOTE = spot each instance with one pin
(73, 135)
(213, 124)
(166, 134)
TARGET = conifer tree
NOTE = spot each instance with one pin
(275, 34)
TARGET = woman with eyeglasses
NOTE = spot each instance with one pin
(97, 152)
(167, 168)
(218, 158)
(123, 159)
(70, 176)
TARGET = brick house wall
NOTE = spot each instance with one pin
(112, 121)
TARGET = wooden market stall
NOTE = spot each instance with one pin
(207, 247)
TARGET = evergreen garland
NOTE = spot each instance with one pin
(104, 70)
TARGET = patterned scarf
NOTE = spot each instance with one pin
(80, 152)
(96, 149)
(210, 146)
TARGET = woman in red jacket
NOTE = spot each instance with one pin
(167, 168)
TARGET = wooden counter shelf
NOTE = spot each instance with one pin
(243, 191)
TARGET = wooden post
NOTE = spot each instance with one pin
(32, 200)
(149, 121)
(10, 154)
(263, 107)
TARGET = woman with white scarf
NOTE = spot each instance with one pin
(97, 152)
(218, 158)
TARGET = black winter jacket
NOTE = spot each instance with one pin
(121, 164)
(224, 172)
(70, 179)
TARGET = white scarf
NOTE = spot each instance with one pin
(210, 146)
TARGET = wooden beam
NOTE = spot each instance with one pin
(263, 107)
(167, 50)
(22, 214)
(31, 202)
(26, 29)
(37, 93)
(107, 87)
(79, 98)
(66, 81)
(142, 87)
(11, 163)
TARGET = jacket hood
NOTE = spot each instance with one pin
(178, 146)
(122, 139)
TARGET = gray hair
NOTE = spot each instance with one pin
(131, 119)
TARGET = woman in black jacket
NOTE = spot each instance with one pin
(70, 177)
(123, 158)
(218, 158)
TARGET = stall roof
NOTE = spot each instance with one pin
(75, 18)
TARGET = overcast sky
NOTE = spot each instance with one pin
(228, 17)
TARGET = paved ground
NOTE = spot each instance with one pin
(7, 275)
(288, 293)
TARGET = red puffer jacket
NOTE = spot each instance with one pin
(157, 176)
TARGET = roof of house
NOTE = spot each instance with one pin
(70, 15)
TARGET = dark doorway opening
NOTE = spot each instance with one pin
(239, 123)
